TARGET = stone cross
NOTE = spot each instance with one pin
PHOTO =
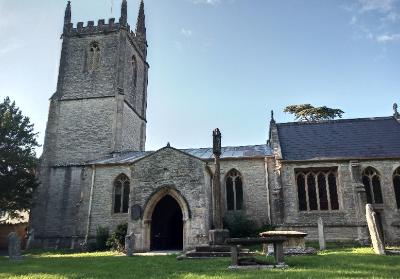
(373, 226)
(217, 197)
(129, 244)
(14, 247)
(321, 234)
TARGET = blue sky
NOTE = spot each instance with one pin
(222, 63)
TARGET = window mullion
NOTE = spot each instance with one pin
(234, 193)
(317, 190)
(307, 198)
(328, 193)
(371, 189)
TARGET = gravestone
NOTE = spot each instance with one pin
(14, 247)
(321, 234)
(31, 239)
(373, 226)
(129, 244)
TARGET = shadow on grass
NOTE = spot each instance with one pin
(343, 263)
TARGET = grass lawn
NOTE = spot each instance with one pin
(334, 263)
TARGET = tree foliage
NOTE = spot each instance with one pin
(309, 113)
(17, 160)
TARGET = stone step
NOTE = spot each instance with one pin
(213, 249)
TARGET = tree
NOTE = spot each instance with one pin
(307, 112)
(17, 160)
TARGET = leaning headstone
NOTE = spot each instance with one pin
(14, 247)
(129, 244)
(373, 226)
(31, 239)
(321, 234)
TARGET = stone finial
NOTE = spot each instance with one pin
(217, 142)
(272, 117)
(123, 20)
(168, 144)
(67, 17)
(396, 112)
(141, 21)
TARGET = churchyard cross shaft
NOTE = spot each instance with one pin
(217, 197)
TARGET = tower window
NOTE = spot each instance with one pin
(396, 184)
(317, 190)
(121, 194)
(234, 191)
(372, 183)
(94, 57)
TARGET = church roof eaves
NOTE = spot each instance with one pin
(205, 154)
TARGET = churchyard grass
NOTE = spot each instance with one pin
(333, 263)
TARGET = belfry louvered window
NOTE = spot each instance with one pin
(396, 184)
(317, 190)
(134, 72)
(372, 183)
(94, 57)
(121, 194)
(234, 191)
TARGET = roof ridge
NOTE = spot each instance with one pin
(230, 146)
(336, 121)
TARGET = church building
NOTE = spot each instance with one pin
(95, 171)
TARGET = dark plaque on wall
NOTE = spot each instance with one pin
(136, 212)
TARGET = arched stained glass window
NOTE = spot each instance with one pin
(121, 194)
(372, 183)
(234, 191)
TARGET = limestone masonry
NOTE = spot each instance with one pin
(95, 172)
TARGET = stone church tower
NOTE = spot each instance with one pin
(98, 109)
(100, 103)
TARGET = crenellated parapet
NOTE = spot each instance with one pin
(138, 38)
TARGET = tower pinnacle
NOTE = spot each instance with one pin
(67, 17)
(124, 13)
(141, 21)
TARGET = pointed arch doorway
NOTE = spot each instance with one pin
(167, 225)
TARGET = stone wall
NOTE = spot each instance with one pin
(184, 177)
(55, 214)
(255, 190)
(344, 223)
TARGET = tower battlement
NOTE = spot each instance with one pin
(80, 29)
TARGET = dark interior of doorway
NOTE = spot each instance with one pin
(167, 226)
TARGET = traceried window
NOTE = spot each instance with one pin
(134, 71)
(372, 183)
(94, 57)
(396, 184)
(317, 190)
(121, 194)
(234, 191)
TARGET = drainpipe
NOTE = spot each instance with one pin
(268, 192)
(90, 204)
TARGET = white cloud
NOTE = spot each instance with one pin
(186, 32)
(208, 2)
(386, 38)
(383, 6)
(375, 20)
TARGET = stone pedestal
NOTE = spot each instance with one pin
(218, 237)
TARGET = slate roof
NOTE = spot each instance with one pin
(249, 151)
(344, 139)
